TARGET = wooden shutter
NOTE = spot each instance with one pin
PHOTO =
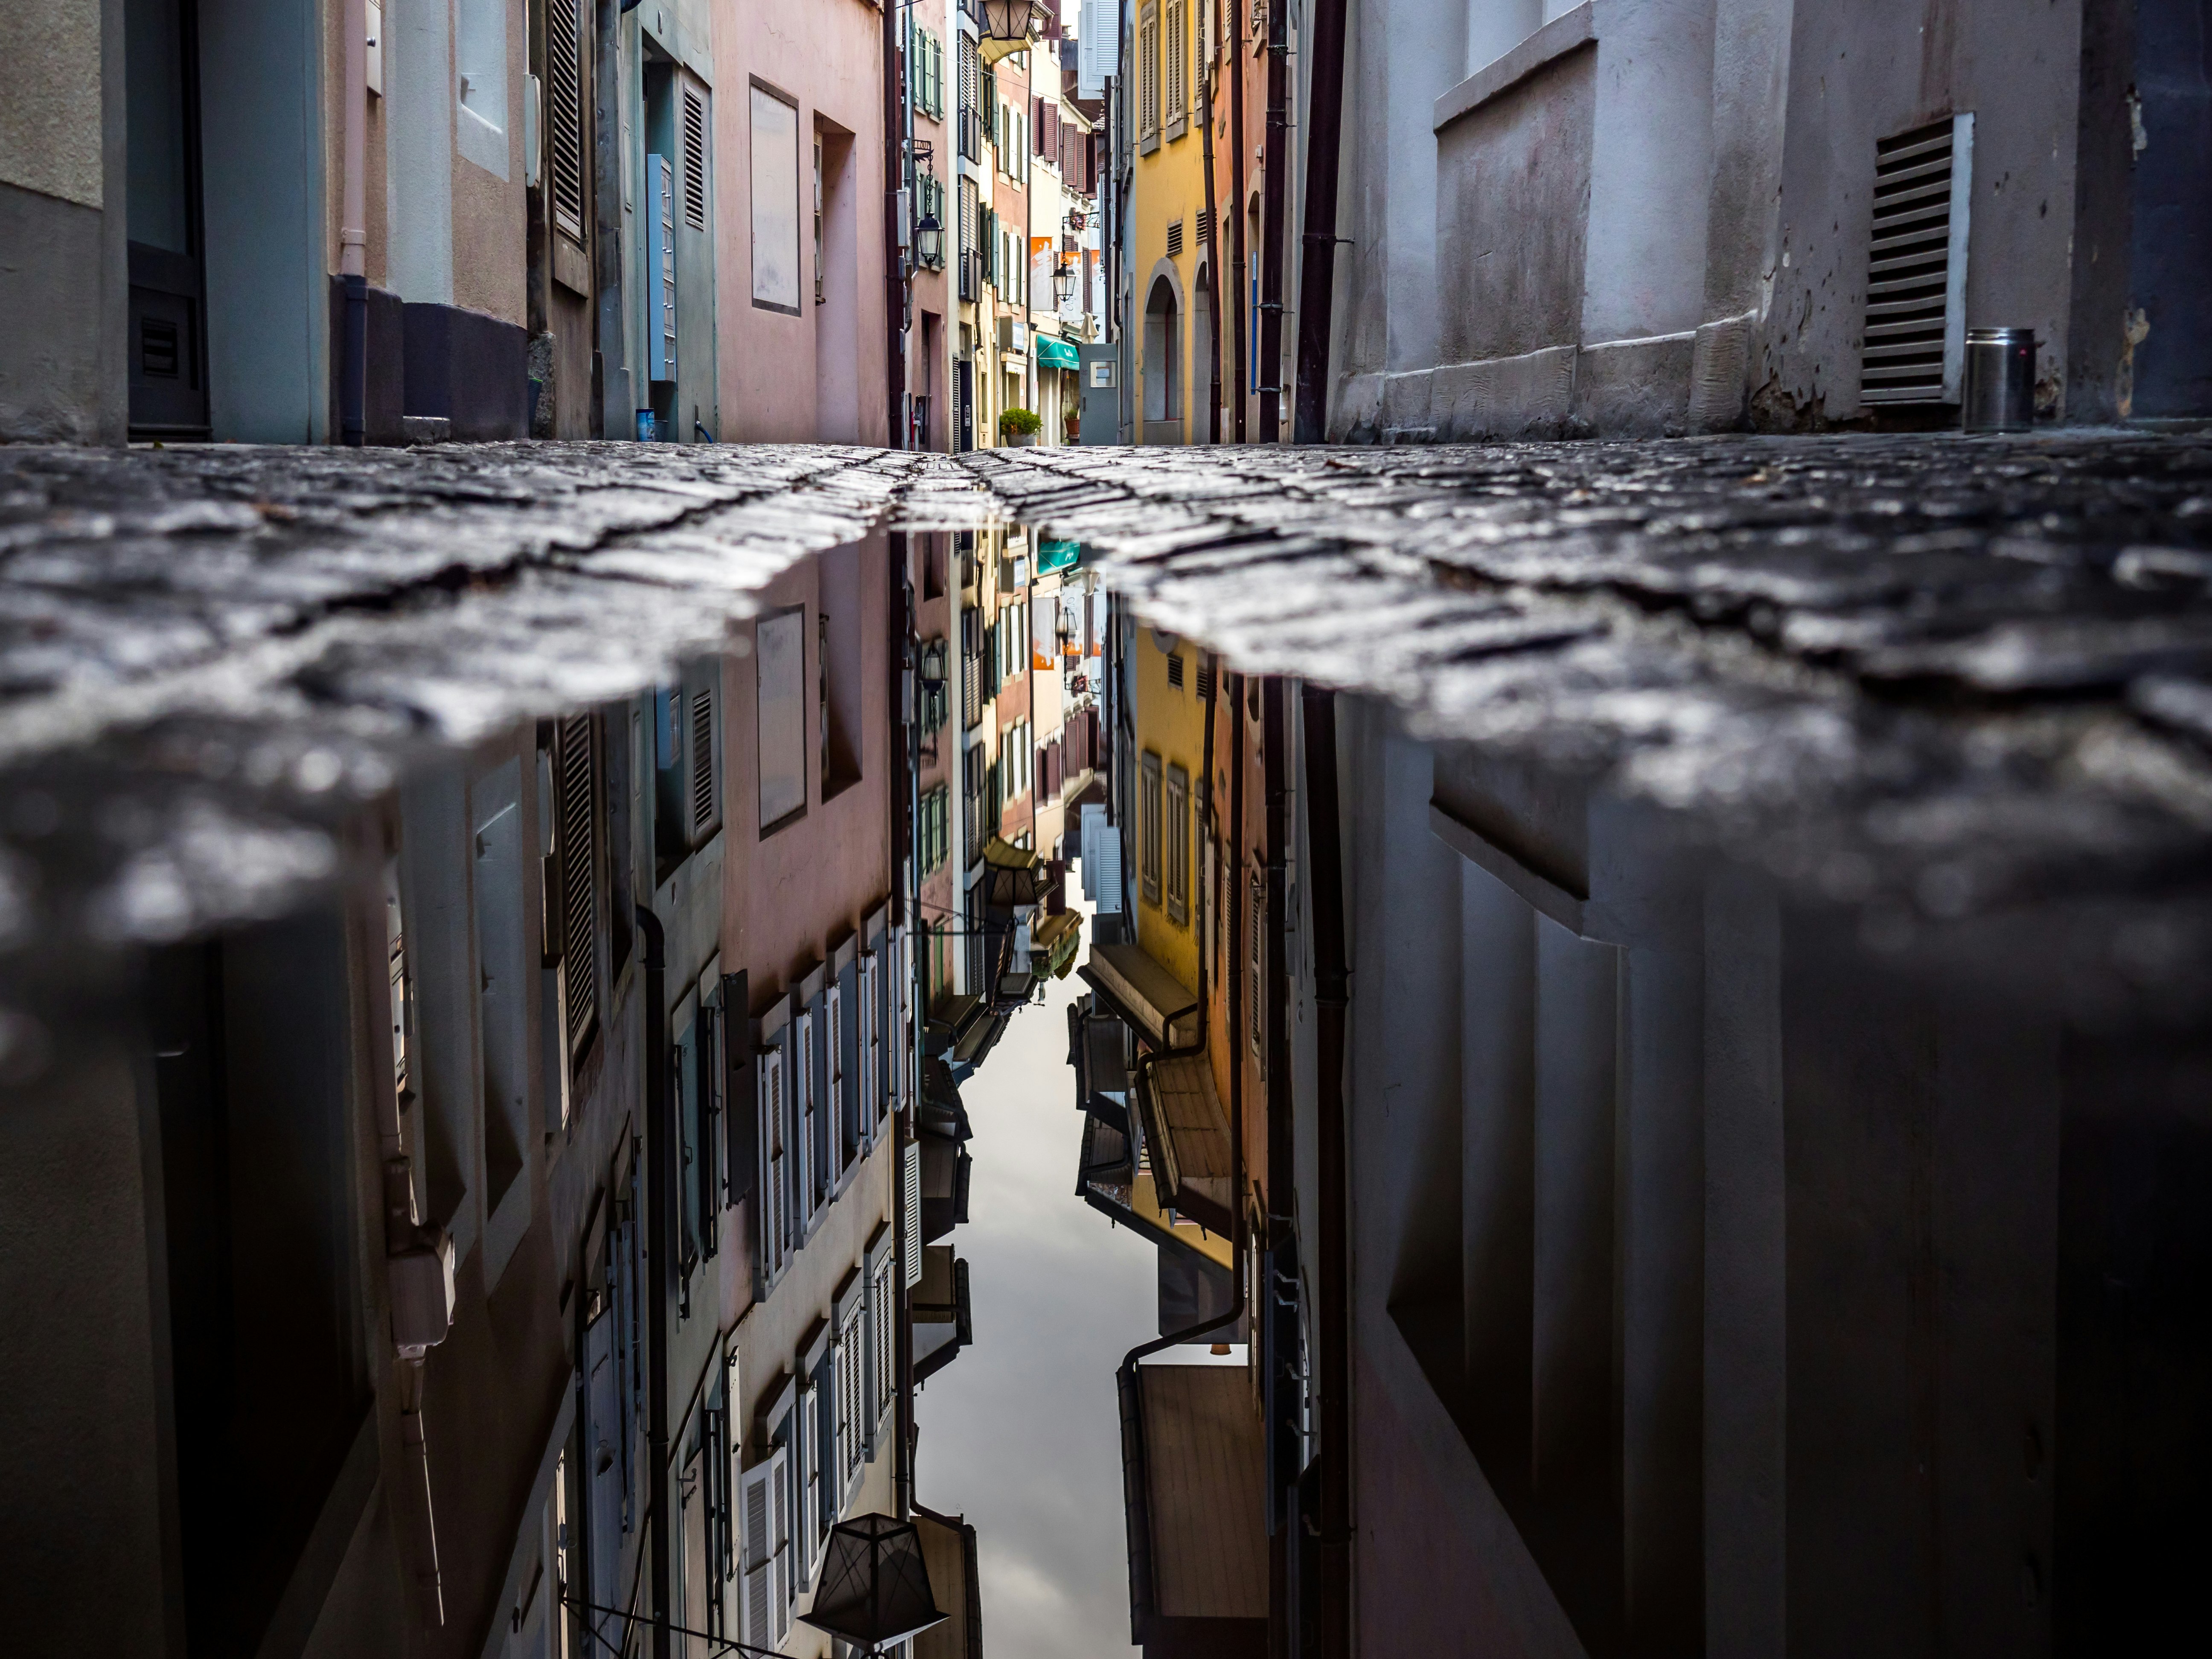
(703, 801)
(741, 1113)
(808, 1090)
(564, 109)
(695, 159)
(711, 1078)
(913, 1229)
(767, 1609)
(835, 1015)
(579, 876)
(772, 1224)
(871, 1044)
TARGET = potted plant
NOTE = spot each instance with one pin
(1019, 425)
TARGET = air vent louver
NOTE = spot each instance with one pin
(1915, 349)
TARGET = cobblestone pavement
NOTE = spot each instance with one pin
(211, 656)
(1962, 689)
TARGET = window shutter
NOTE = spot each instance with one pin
(579, 874)
(709, 1134)
(695, 159)
(564, 102)
(758, 1506)
(913, 1229)
(835, 1047)
(703, 800)
(740, 1094)
(805, 1088)
(774, 1221)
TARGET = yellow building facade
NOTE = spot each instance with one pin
(1167, 227)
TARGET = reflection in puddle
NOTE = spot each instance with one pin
(522, 1121)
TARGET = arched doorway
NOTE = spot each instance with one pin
(1162, 365)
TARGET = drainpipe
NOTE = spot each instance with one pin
(906, 701)
(1237, 219)
(1271, 258)
(660, 1190)
(895, 295)
(1325, 885)
(1212, 258)
(353, 232)
(1317, 270)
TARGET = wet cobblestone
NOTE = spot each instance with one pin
(209, 656)
(1961, 689)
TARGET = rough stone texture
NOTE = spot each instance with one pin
(211, 656)
(1963, 688)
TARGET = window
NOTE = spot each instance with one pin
(480, 65)
(686, 793)
(1178, 847)
(779, 660)
(840, 708)
(1150, 809)
(776, 202)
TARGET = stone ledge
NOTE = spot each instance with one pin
(1569, 31)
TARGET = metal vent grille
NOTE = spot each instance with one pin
(695, 161)
(579, 884)
(1175, 671)
(564, 100)
(1175, 239)
(703, 762)
(1915, 347)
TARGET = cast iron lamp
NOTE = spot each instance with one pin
(873, 1587)
(929, 241)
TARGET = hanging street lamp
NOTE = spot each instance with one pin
(1063, 284)
(874, 1589)
(929, 241)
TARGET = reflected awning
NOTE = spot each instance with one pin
(1054, 941)
(1150, 997)
(1194, 1482)
(1188, 1135)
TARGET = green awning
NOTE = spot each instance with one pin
(1053, 352)
(1058, 555)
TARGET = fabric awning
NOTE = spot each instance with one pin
(1053, 352)
(1152, 998)
(1188, 1133)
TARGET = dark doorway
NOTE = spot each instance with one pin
(168, 313)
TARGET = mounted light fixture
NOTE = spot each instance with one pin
(873, 1590)
(1063, 284)
(929, 241)
(1008, 26)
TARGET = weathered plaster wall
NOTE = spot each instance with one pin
(1512, 213)
(1858, 74)
(63, 274)
(827, 58)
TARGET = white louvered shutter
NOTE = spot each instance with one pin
(913, 1229)
(805, 1090)
(835, 1015)
(774, 1174)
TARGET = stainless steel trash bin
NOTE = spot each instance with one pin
(2000, 394)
